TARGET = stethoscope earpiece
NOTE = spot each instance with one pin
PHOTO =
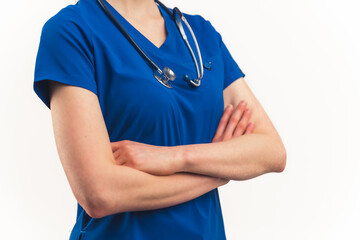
(191, 82)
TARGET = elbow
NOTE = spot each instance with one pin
(96, 203)
(281, 158)
(95, 211)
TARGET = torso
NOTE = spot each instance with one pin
(136, 107)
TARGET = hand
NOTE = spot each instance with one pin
(234, 127)
(157, 160)
(223, 134)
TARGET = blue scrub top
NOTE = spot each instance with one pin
(80, 46)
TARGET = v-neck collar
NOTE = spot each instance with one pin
(137, 35)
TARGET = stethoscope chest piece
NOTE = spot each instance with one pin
(164, 76)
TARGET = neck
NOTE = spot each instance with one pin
(136, 8)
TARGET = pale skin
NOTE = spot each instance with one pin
(108, 178)
(170, 160)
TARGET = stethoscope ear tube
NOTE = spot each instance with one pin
(127, 36)
(178, 17)
(163, 76)
(164, 7)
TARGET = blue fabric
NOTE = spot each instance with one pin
(80, 46)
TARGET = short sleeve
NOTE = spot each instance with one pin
(64, 55)
(232, 70)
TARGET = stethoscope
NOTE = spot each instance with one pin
(163, 76)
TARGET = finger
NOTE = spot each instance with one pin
(114, 146)
(234, 120)
(120, 161)
(250, 128)
(116, 154)
(223, 121)
(240, 128)
(119, 157)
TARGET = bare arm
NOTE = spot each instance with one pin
(100, 186)
(245, 156)
(238, 158)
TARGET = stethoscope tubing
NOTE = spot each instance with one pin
(128, 37)
(163, 76)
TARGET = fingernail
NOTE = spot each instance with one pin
(229, 106)
(242, 102)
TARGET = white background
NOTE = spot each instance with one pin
(301, 59)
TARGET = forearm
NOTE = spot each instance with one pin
(239, 158)
(128, 189)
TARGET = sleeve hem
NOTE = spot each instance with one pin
(41, 86)
(236, 74)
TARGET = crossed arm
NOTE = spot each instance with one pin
(232, 154)
(108, 178)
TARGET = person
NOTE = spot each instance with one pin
(144, 161)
